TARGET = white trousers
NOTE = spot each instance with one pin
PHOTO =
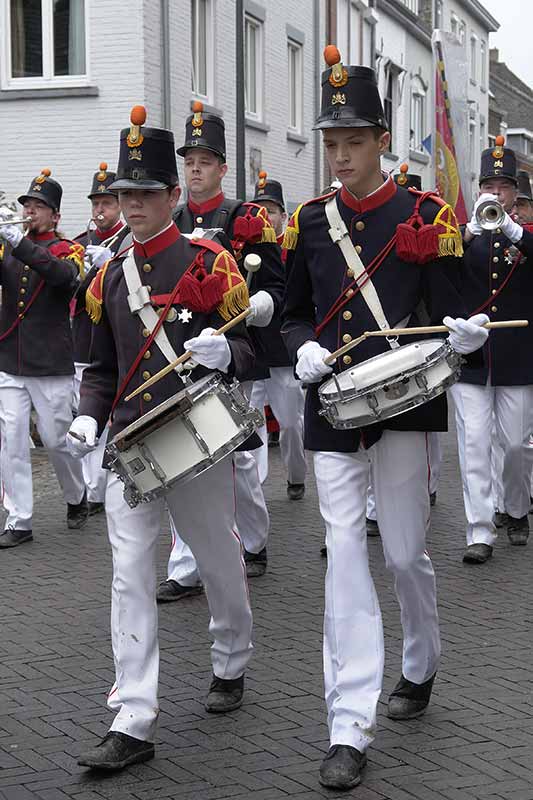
(511, 407)
(434, 463)
(94, 476)
(496, 467)
(203, 510)
(353, 631)
(52, 399)
(284, 394)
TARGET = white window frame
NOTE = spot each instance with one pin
(462, 31)
(296, 102)
(483, 64)
(473, 59)
(418, 97)
(258, 24)
(48, 80)
(454, 24)
(391, 72)
(412, 5)
(350, 13)
(209, 96)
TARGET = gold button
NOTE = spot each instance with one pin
(24, 279)
(494, 275)
(147, 397)
(26, 268)
(346, 314)
(359, 226)
(494, 308)
(498, 230)
(349, 293)
(346, 338)
(350, 273)
(147, 354)
(146, 333)
(146, 375)
(347, 359)
(495, 259)
(172, 315)
(358, 248)
(20, 304)
(496, 244)
(199, 219)
(23, 291)
(147, 267)
(494, 291)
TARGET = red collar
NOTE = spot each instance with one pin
(109, 233)
(374, 200)
(43, 237)
(209, 205)
(157, 243)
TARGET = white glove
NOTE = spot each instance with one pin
(210, 351)
(310, 366)
(85, 428)
(467, 335)
(11, 234)
(511, 229)
(98, 255)
(262, 311)
(473, 226)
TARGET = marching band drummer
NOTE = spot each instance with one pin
(100, 244)
(195, 286)
(407, 246)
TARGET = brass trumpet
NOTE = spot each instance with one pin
(490, 215)
(15, 221)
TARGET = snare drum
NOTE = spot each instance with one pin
(389, 384)
(181, 437)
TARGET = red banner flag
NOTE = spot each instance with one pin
(446, 172)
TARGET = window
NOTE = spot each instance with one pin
(462, 31)
(482, 134)
(295, 58)
(46, 43)
(418, 100)
(349, 31)
(439, 14)
(483, 63)
(473, 144)
(202, 69)
(473, 58)
(253, 57)
(389, 102)
(454, 25)
(412, 5)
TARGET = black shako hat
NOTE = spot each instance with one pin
(524, 185)
(268, 190)
(350, 96)
(408, 179)
(44, 188)
(102, 180)
(206, 130)
(146, 159)
(498, 162)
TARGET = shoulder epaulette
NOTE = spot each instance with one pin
(2, 251)
(94, 296)
(292, 231)
(70, 251)
(254, 227)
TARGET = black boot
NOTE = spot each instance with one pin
(518, 530)
(170, 591)
(95, 508)
(342, 767)
(409, 700)
(12, 538)
(477, 553)
(77, 514)
(116, 751)
(256, 563)
(224, 695)
(295, 491)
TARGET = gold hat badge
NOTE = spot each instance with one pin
(332, 57)
(45, 173)
(402, 177)
(498, 150)
(102, 175)
(197, 119)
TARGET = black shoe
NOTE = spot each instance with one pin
(432, 498)
(273, 439)
(500, 519)
(12, 538)
(531, 505)
(477, 553)
(77, 514)
(295, 491)
(224, 695)
(116, 751)
(169, 591)
(324, 551)
(256, 563)
(342, 767)
(372, 527)
(409, 700)
(95, 508)
(517, 530)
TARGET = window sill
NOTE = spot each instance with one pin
(418, 155)
(48, 92)
(257, 125)
(294, 136)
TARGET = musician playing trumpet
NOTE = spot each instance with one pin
(497, 280)
(39, 272)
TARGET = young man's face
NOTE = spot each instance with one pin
(353, 155)
(276, 215)
(43, 218)
(504, 189)
(146, 211)
(203, 173)
(105, 211)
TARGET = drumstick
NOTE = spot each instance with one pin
(509, 323)
(185, 357)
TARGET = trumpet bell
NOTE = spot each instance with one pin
(490, 215)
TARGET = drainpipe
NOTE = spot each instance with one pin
(240, 180)
(317, 143)
(165, 63)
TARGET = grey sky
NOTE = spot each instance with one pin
(513, 39)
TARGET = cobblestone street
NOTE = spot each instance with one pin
(474, 743)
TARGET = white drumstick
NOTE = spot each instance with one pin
(252, 263)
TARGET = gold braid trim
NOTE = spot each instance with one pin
(451, 241)
(2, 251)
(236, 298)
(292, 231)
(76, 255)
(94, 296)
(268, 234)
